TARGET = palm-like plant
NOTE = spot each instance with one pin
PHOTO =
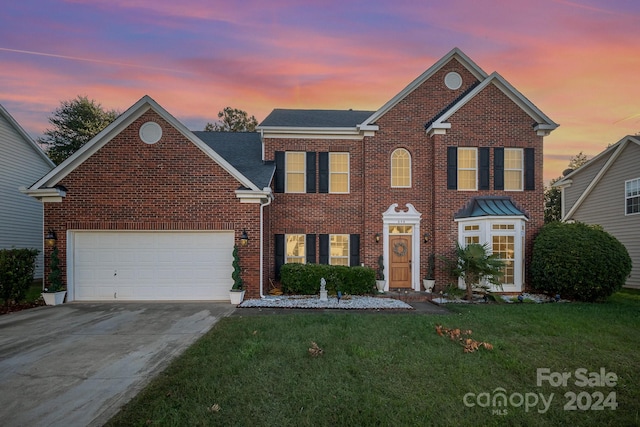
(477, 267)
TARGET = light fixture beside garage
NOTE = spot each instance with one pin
(51, 238)
(244, 238)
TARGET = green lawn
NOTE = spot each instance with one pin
(394, 370)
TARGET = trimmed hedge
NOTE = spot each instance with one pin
(16, 273)
(579, 261)
(304, 279)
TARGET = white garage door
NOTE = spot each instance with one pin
(150, 266)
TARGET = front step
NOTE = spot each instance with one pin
(407, 295)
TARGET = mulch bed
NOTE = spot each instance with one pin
(19, 307)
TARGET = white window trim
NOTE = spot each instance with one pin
(521, 169)
(475, 149)
(410, 171)
(348, 173)
(486, 233)
(286, 172)
(286, 255)
(627, 197)
(331, 257)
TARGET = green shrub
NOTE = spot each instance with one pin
(304, 279)
(16, 273)
(579, 261)
(55, 276)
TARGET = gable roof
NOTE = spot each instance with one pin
(480, 206)
(350, 123)
(455, 53)
(243, 150)
(32, 144)
(50, 180)
(544, 125)
(613, 152)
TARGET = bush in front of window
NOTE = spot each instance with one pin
(579, 261)
(304, 279)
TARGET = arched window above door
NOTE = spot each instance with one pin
(400, 168)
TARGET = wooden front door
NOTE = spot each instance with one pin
(400, 261)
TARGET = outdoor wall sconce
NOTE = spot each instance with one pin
(377, 237)
(244, 238)
(50, 238)
(425, 237)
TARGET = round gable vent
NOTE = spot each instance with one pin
(150, 132)
(453, 80)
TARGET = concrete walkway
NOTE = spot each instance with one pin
(77, 364)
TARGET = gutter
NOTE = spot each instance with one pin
(262, 206)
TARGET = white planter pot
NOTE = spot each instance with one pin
(54, 298)
(380, 285)
(428, 284)
(236, 297)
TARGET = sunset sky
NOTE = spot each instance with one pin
(578, 61)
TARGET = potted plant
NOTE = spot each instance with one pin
(429, 280)
(54, 294)
(477, 268)
(380, 275)
(236, 295)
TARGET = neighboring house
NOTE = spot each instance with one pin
(150, 210)
(606, 191)
(22, 162)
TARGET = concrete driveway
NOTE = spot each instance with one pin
(77, 364)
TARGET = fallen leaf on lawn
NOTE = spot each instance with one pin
(314, 350)
(214, 408)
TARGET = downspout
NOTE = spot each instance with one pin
(262, 206)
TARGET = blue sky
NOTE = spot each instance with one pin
(578, 61)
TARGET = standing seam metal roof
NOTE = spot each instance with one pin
(490, 206)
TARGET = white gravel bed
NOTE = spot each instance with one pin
(354, 303)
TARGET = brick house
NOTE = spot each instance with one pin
(455, 156)
(151, 210)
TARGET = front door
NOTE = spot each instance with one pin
(400, 261)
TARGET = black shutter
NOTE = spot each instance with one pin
(323, 172)
(324, 249)
(529, 169)
(354, 250)
(498, 168)
(452, 168)
(483, 172)
(279, 178)
(310, 245)
(311, 172)
(279, 249)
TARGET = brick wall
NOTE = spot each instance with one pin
(170, 185)
(491, 119)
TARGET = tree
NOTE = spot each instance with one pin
(74, 123)
(553, 195)
(552, 202)
(578, 160)
(475, 265)
(232, 120)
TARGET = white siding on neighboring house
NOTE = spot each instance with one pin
(605, 205)
(21, 164)
(581, 180)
